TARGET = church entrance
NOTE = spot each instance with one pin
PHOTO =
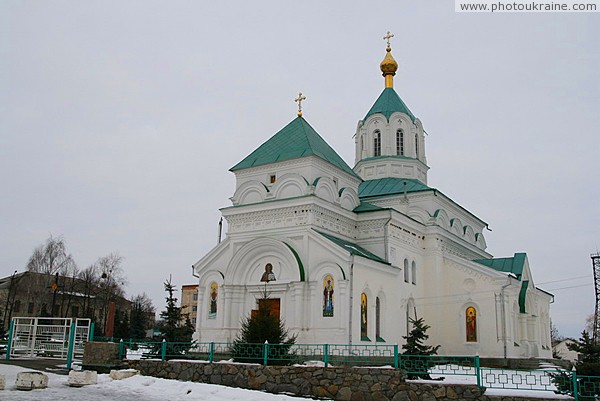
(270, 304)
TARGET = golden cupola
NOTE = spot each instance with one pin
(389, 66)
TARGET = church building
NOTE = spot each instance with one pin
(351, 255)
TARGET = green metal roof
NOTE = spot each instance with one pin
(353, 248)
(390, 186)
(389, 102)
(366, 207)
(295, 140)
(513, 265)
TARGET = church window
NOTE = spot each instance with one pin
(272, 179)
(414, 273)
(363, 318)
(417, 146)
(212, 305)
(377, 143)
(471, 324)
(378, 320)
(328, 296)
(406, 270)
(400, 142)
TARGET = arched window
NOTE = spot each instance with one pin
(471, 324)
(377, 143)
(363, 318)
(400, 142)
(328, 296)
(378, 320)
(212, 303)
(406, 270)
(414, 273)
(417, 146)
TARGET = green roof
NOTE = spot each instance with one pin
(513, 265)
(295, 140)
(390, 186)
(366, 207)
(389, 102)
(353, 248)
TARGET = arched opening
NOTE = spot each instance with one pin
(471, 324)
(400, 142)
(377, 143)
(328, 296)
(406, 273)
(414, 272)
(378, 320)
(364, 318)
(417, 146)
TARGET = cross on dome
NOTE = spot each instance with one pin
(299, 99)
(388, 37)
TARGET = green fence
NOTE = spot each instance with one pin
(549, 380)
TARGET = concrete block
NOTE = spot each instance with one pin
(123, 374)
(31, 380)
(2, 382)
(80, 378)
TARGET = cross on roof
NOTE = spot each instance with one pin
(299, 99)
(388, 37)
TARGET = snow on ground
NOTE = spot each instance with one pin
(143, 388)
(146, 388)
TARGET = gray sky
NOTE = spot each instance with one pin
(119, 122)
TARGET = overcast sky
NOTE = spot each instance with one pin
(119, 121)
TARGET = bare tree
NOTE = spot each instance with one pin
(52, 258)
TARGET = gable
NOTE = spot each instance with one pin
(295, 140)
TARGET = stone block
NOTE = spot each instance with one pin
(123, 374)
(101, 354)
(80, 378)
(2, 382)
(31, 380)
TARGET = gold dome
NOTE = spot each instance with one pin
(389, 65)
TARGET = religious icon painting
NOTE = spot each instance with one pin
(213, 296)
(363, 317)
(471, 324)
(328, 296)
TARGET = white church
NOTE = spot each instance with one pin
(350, 255)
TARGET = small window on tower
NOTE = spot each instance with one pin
(272, 179)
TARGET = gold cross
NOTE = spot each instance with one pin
(299, 99)
(388, 37)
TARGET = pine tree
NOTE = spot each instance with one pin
(414, 349)
(587, 368)
(175, 330)
(259, 328)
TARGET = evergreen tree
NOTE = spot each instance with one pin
(141, 316)
(122, 327)
(175, 329)
(414, 349)
(263, 326)
(587, 368)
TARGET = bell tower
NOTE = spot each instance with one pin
(390, 140)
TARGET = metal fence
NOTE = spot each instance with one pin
(550, 380)
(48, 337)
